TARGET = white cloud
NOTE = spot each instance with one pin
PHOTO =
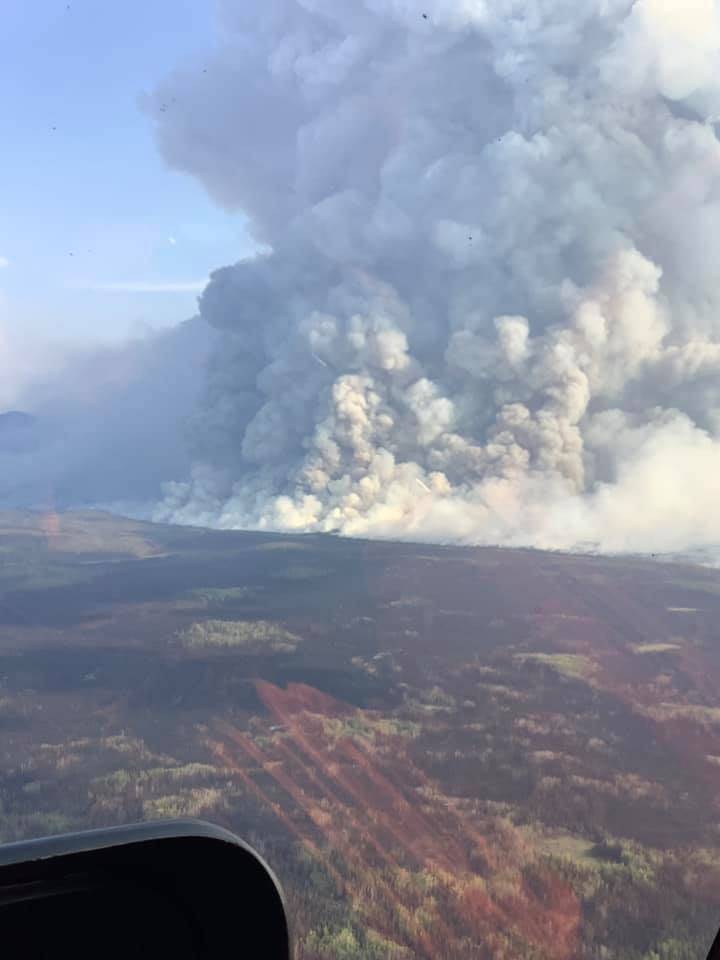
(4, 262)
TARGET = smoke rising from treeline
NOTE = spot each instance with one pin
(490, 310)
(490, 306)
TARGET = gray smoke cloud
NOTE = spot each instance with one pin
(104, 425)
(491, 307)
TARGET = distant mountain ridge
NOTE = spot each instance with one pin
(16, 420)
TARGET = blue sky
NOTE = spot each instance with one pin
(97, 237)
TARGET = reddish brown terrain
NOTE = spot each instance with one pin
(443, 752)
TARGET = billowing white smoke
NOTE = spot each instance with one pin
(491, 310)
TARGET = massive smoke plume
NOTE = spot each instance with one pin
(490, 306)
(491, 310)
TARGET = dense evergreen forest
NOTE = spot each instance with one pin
(442, 753)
